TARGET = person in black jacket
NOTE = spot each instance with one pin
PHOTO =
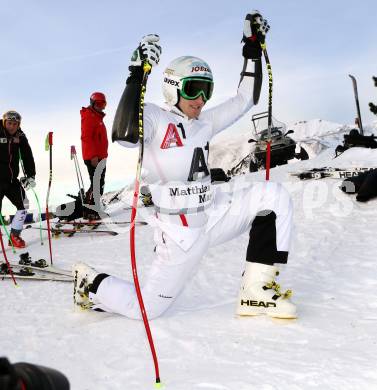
(13, 147)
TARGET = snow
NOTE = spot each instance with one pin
(200, 342)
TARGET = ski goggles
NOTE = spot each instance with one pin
(12, 116)
(193, 87)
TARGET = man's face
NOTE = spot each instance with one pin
(11, 126)
(191, 108)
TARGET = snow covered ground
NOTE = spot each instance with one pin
(200, 343)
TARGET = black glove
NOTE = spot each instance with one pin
(254, 34)
(373, 108)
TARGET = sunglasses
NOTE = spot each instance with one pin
(193, 87)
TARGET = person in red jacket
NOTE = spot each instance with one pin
(94, 144)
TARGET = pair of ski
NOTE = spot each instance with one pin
(84, 227)
(38, 270)
(337, 173)
(329, 172)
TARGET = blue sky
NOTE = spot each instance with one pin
(54, 54)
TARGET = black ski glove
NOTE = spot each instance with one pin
(254, 34)
(373, 108)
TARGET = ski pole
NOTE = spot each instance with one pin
(7, 233)
(6, 258)
(354, 83)
(146, 70)
(36, 198)
(268, 149)
(48, 146)
(80, 182)
(40, 215)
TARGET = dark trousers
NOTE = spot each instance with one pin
(15, 193)
(262, 243)
(92, 191)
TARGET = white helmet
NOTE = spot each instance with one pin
(179, 69)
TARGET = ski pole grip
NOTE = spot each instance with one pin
(73, 151)
(50, 138)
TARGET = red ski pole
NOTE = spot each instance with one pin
(147, 68)
(48, 147)
(6, 258)
(268, 159)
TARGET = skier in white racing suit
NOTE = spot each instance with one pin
(190, 215)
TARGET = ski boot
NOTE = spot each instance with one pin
(83, 277)
(17, 241)
(260, 294)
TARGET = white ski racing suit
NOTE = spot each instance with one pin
(192, 215)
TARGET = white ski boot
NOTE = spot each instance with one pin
(260, 294)
(83, 277)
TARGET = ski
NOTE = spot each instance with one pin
(26, 272)
(40, 266)
(354, 84)
(79, 224)
(329, 172)
(72, 231)
(18, 275)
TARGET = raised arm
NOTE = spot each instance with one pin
(125, 126)
(249, 87)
